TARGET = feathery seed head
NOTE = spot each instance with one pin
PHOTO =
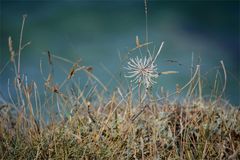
(142, 70)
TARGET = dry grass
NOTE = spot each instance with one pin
(83, 123)
(204, 130)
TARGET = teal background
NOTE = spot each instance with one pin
(97, 31)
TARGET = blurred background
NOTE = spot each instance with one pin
(100, 32)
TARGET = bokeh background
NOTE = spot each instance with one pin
(99, 31)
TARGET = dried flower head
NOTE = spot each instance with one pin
(142, 70)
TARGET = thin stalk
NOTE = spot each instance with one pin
(20, 45)
(146, 21)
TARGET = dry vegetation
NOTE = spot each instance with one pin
(162, 131)
(84, 123)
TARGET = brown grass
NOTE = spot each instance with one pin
(84, 123)
(203, 130)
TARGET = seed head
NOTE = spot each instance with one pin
(142, 70)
